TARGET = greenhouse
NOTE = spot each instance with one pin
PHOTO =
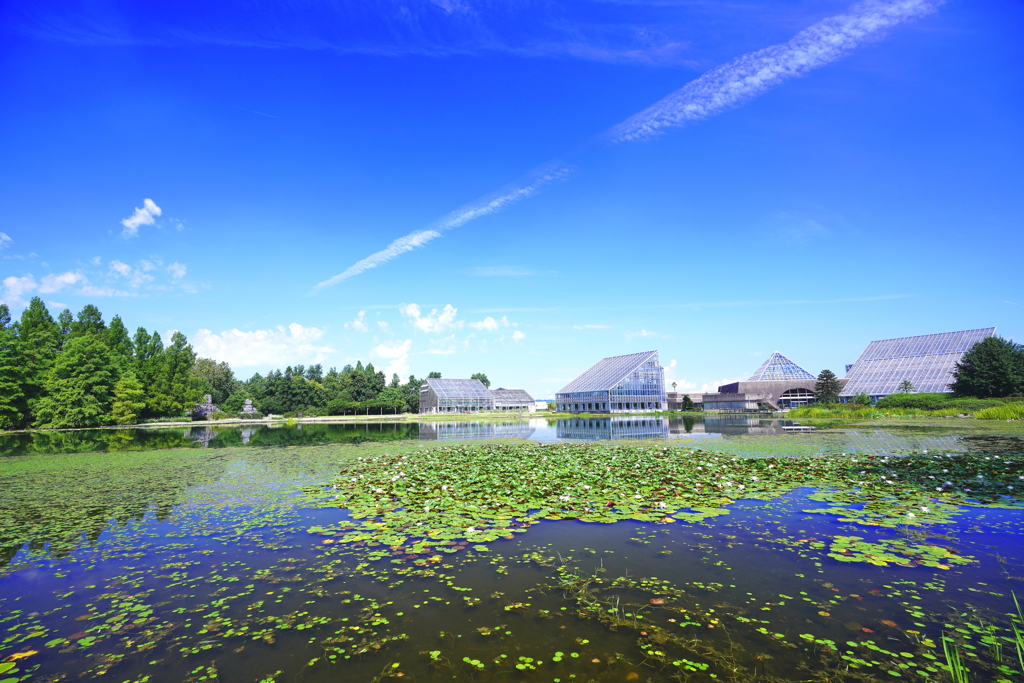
(926, 361)
(513, 399)
(454, 396)
(619, 384)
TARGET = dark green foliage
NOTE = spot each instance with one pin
(862, 399)
(120, 343)
(13, 402)
(826, 387)
(434, 375)
(5, 317)
(89, 321)
(64, 322)
(906, 387)
(687, 404)
(219, 377)
(79, 387)
(992, 368)
(39, 340)
(482, 377)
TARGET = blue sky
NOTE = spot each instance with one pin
(518, 188)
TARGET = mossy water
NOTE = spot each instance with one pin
(518, 561)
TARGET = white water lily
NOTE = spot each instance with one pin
(924, 509)
(638, 497)
(586, 486)
(911, 514)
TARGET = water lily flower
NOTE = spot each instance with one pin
(586, 486)
(911, 514)
(638, 497)
(924, 509)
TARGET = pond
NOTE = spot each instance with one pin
(746, 557)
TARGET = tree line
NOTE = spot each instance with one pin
(80, 371)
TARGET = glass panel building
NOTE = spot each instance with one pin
(926, 361)
(513, 399)
(620, 384)
(454, 396)
(778, 367)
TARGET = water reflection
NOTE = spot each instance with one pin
(453, 431)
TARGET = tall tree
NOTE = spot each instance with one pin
(826, 387)
(120, 343)
(482, 377)
(177, 389)
(129, 400)
(221, 378)
(13, 402)
(5, 317)
(65, 321)
(992, 368)
(38, 339)
(80, 386)
(89, 321)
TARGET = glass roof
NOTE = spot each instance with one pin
(778, 367)
(504, 395)
(608, 372)
(927, 362)
(459, 388)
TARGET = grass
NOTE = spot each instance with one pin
(1010, 411)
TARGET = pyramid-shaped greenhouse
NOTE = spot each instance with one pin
(778, 367)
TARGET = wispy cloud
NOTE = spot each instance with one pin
(753, 74)
(530, 185)
(54, 283)
(718, 90)
(5, 240)
(646, 334)
(359, 324)
(591, 327)
(145, 216)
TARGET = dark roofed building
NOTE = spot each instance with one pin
(778, 383)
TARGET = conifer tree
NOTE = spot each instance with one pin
(13, 403)
(120, 343)
(129, 399)
(79, 387)
(38, 340)
(64, 322)
(826, 387)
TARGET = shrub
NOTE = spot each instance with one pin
(1008, 411)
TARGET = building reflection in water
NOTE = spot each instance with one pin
(461, 430)
(613, 428)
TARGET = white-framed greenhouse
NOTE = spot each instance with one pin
(633, 383)
(517, 400)
(454, 396)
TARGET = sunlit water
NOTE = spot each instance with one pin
(198, 564)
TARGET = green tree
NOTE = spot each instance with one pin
(5, 317)
(992, 368)
(434, 375)
(13, 402)
(129, 399)
(221, 378)
(687, 403)
(64, 322)
(120, 343)
(79, 387)
(862, 399)
(176, 390)
(482, 377)
(826, 387)
(89, 321)
(38, 341)
(906, 387)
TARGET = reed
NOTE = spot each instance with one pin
(954, 660)
(1010, 411)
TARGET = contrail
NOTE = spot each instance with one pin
(746, 77)
(722, 88)
(530, 185)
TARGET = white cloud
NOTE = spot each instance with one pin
(591, 327)
(490, 324)
(15, 289)
(5, 240)
(746, 77)
(144, 216)
(359, 324)
(646, 333)
(56, 304)
(96, 260)
(54, 283)
(177, 270)
(399, 246)
(382, 325)
(274, 347)
(398, 355)
(518, 336)
(121, 268)
(90, 290)
(436, 321)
